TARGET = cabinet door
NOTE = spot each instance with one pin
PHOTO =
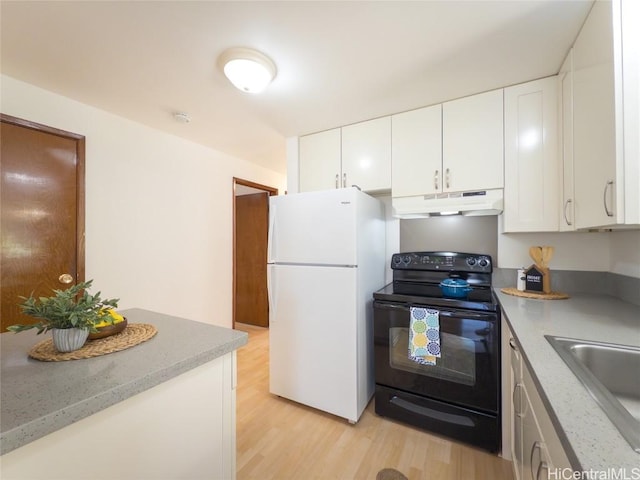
(319, 161)
(472, 142)
(416, 152)
(517, 409)
(535, 465)
(549, 454)
(594, 121)
(531, 156)
(366, 155)
(565, 84)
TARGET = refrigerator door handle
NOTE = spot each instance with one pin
(270, 237)
(270, 293)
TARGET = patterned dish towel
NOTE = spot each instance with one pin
(424, 336)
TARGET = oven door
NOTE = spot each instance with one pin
(467, 373)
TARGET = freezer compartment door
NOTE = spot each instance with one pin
(313, 228)
(312, 335)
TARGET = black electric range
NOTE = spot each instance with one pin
(459, 395)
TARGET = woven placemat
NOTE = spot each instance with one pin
(134, 334)
(543, 296)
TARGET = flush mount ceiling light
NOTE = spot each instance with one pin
(248, 70)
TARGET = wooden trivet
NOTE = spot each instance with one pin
(134, 334)
(527, 294)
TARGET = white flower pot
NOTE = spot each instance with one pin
(69, 339)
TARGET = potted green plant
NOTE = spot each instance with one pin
(70, 314)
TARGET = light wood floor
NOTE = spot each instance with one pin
(280, 439)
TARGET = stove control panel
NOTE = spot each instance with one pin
(442, 261)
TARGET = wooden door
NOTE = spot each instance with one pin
(251, 302)
(41, 212)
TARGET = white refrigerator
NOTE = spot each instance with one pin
(326, 257)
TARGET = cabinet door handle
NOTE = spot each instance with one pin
(517, 403)
(566, 204)
(447, 178)
(436, 179)
(344, 180)
(512, 344)
(337, 180)
(536, 446)
(542, 466)
(604, 198)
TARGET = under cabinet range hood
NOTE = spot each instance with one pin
(481, 202)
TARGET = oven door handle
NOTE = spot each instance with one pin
(467, 314)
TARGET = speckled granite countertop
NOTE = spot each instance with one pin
(41, 397)
(590, 439)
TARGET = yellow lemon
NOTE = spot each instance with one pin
(116, 318)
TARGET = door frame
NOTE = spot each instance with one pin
(246, 183)
(80, 182)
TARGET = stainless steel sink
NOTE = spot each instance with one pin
(611, 374)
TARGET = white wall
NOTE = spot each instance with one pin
(293, 170)
(625, 253)
(582, 251)
(392, 238)
(158, 207)
(616, 251)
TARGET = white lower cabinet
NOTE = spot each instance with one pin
(536, 450)
(536, 463)
(181, 429)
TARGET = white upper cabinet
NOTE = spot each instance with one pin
(366, 155)
(531, 164)
(358, 154)
(605, 116)
(320, 161)
(565, 87)
(472, 142)
(416, 152)
(453, 147)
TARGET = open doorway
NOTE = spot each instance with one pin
(250, 233)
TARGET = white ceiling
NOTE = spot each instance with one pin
(338, 62)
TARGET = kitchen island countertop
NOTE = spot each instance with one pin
(590, 439)
(38, 398)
